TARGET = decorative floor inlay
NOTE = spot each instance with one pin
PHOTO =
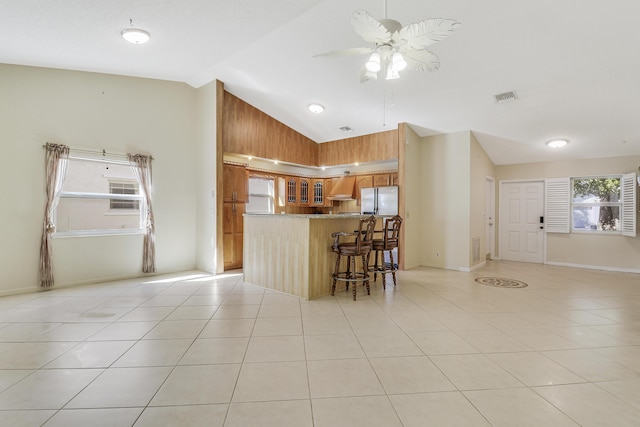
(500, 282)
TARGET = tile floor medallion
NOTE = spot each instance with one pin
(500, 282)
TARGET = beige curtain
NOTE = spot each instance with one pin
(57, 160)
(141, 165)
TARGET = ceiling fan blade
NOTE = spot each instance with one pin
(355, 51)
(421, 60)
(424, 33)
(369, 28)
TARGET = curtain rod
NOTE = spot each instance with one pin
(102, 152)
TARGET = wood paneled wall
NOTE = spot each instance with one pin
(247, 130)
(365, 148)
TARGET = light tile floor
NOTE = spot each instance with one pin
(193, 349)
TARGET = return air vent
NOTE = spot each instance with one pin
(506, 97)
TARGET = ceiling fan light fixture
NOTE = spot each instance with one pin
(135, 35)
(398, 62)
(373, 64)
(557, 143)
(392, 73)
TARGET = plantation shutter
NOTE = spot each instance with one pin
(557, 202)
(628, 187)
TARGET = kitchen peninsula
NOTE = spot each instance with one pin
(292, 253)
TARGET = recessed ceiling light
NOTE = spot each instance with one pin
(557, 143)
(316, 108)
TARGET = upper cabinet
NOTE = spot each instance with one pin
(234, 187)
(304, 191)
(318, 195)
(363, 181)
(327, 190)
(381, 180)
(292, 190)
(394, 179)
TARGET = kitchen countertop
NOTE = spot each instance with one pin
(318, 216)
(314, 216)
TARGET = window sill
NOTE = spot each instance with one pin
(602, 233)
(95, 233)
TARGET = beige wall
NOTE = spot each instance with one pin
(412, 224)
(445, 195)
(481, 168)
(206, 194)
(94, 111)
(614, 252)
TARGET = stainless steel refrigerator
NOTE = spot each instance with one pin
(379, 200)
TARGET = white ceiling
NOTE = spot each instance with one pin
(575, 65)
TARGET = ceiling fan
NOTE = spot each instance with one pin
(396, 47)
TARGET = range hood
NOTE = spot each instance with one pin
(342, 188)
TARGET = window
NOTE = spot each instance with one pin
(120, 187)
(596, 203)
(261, 196)
(99, 197)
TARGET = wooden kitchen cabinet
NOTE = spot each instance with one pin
(234, 188)
(327, 190)
(305, 193)
(232, 234)
(318, 194)
(393, 178)
(362, 181)
(292, 191)
(234, 183)
(381, 180)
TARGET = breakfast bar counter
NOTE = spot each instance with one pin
(292, 253)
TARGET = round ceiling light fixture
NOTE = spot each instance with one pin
(316, 108)
(557, 143)
(135, 35)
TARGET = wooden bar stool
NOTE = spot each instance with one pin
(358, 245)
(388, 242)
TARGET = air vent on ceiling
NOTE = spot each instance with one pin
(345, 129)
(507, 96)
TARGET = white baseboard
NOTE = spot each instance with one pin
(594, 267)
(473, 267)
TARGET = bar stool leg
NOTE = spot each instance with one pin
(365, 272)
(375, 266)
(353, 276)
(393, 268)
(335, 275)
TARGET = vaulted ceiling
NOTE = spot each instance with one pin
(574, 65)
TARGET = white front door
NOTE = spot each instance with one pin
(490, 218)
(521, 230)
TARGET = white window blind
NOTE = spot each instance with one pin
(557, 201)
(628, 190)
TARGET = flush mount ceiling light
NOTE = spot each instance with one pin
(316, 108)
(135, 35)
(557, 143)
